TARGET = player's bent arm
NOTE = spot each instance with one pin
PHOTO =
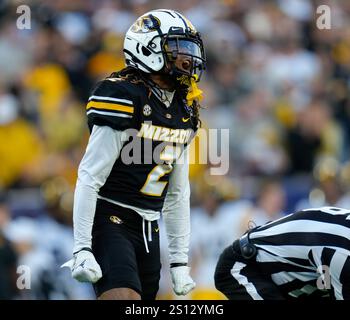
(101, 153)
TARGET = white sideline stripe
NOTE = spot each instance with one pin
(111, 99)
(112, 114)
(242, 280)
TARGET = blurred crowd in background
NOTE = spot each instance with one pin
(276, 81)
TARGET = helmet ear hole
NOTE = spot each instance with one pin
(145, 51)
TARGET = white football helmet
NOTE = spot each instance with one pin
(158, 37)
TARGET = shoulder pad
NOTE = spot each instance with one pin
(111, 104)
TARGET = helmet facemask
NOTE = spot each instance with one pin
(181, 49)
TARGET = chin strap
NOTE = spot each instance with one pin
(194, 93)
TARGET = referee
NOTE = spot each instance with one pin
(304, 255)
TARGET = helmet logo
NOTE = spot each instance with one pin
(146, 24)
(147, 110)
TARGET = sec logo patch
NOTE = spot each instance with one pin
(147, 110)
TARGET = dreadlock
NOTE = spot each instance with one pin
(193, 109)
(130, 74)
(136, 76)
(196, 107)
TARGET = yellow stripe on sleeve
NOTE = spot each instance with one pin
(109, 106)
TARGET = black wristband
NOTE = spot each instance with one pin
(178, 264)
(83, 249)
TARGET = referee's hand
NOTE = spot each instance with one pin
(181, 279)
(84, 267)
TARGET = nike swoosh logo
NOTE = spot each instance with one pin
(156, 230)
(185, 119)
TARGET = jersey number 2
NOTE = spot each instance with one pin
(154, 187)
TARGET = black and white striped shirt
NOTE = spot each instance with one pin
(306, 251)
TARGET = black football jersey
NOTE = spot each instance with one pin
(157, 136)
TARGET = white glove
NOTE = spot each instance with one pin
(84, 267)
(182, 281)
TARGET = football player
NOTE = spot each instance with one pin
(147, 112)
